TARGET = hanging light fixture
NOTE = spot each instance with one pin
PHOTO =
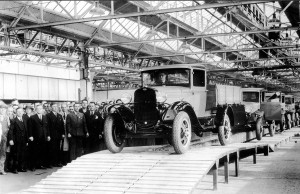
(97, 10)
(151, 32)
(26, 58)
(185, 46)
(286, 39)
(274, 21)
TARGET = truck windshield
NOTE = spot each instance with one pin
(251, 96)
(167, 77)
(288, 100)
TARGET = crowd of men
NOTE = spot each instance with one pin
(46, 135)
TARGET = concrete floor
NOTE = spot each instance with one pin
(277, 173)
(13, 183)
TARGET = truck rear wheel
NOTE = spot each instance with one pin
(288, 122)
(182, 132)
(224, 131)
(297, 119)
(272, 129)
(259, 129)
(113, 136)
(282, 123)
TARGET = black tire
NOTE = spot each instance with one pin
(272, 129)
(224, 131)
(259, 129)
(297, 119)
(113, 141)
(292, 116)
(288, 122)
(182, 132)
(282, 123)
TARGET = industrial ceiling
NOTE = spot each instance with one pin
(255, 40)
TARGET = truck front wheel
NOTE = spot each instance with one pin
(272, 129)
(259, 129)
(182, 132)
(224, 131)
(113, 137)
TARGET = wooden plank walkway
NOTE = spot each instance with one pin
(142, 170)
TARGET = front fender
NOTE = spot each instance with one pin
(125, 113)
(171, 112)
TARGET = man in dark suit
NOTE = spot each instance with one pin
(77, 131)
(18, 136)
(94, 124)
(29, 148)
(39, 134)
(84, 106)
(56, 129)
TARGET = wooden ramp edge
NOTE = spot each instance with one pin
(140, 170)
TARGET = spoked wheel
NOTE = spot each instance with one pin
(259, 129)
(113, 137)
(272, 128)
(224, 131)
(182, 133)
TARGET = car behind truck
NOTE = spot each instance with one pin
(174, 102)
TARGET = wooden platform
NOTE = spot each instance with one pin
(146, 170)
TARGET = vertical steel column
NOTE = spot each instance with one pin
(110, 21)
(139, 24)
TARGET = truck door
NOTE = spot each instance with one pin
(198, 86)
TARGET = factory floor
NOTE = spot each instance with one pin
(13, 183)
(277, 173)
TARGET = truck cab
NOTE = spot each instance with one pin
(178, 83)
(252, 98)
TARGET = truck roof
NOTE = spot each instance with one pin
(289, 95)
(252, 89)
(195, 65)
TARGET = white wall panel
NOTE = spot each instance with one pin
(44, 88)
(1, 86)
(21, 87)
(33, 88)
(53, 89)
(9, 86)
(62, 89)
(36, 81)
(71, 89)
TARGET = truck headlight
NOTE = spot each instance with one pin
(126, 98)
(161, 97)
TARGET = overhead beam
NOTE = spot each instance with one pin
(135, 14)
(37, 53)
(255, 68)
(221, 51)
(203, 36)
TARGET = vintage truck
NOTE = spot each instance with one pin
(174, 102)
(274, 109)
(252, 99)
(290, 111)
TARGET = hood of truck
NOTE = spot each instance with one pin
(174, 93)
(251, 107)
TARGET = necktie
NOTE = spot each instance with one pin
(64, 116)
(92, 113)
